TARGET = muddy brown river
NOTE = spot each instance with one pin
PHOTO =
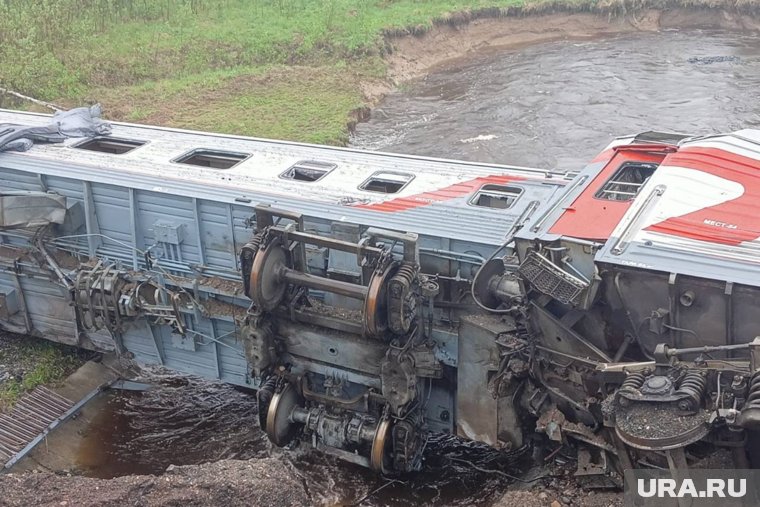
(549, 105)
(556, 105)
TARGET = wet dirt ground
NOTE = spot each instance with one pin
(557, 104)
(188, 421)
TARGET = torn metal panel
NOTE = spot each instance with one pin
(27, 210)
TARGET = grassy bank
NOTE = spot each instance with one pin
(273, 68)
(27, 362)
(292, 69)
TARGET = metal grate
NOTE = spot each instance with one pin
(29, 418)
(550, 279)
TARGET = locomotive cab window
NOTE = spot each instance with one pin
(627, 181)
(308, 170)
(212, 158)
(496, 196)
(386, 182)
(112, 145)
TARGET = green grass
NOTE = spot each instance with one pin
(271, 68)
(44, 363)
(284, 102)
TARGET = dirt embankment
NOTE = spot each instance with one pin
(228, 483)
(414, 53)
(232, 483)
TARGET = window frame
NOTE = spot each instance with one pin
(212, 152)
(616, 174)
(376, 176)
(135, 143)
(483, 189)
(331, 167)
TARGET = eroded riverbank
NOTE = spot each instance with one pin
(415, 56)
(417, 52)
(557, 104)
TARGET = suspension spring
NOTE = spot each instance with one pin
(96, 296)
(250, 248)
(693, 386)
(634, 381)
(405, 274)
(401, 304)
(753, 396)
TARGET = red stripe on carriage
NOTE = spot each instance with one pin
(444, 194)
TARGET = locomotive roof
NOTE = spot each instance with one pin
(698, 214)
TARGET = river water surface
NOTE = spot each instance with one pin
(556, 105)
(552, 105)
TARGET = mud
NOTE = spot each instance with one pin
(12, 253)
(267, 481)
(190, 421)
(229, 483)
(180, 421)
(215, 307)
(227, 286)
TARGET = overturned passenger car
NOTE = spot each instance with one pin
(371, 299)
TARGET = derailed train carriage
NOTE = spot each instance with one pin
(371, 299)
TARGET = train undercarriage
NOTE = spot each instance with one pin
(362, 335)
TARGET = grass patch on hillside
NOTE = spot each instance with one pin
(32, 362)
(272, 68)
(283, 102)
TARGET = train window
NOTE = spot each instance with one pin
(308, 170)
(496, 196)
(212, 158)
(625, 184)
(112, 145)
(386, 182)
